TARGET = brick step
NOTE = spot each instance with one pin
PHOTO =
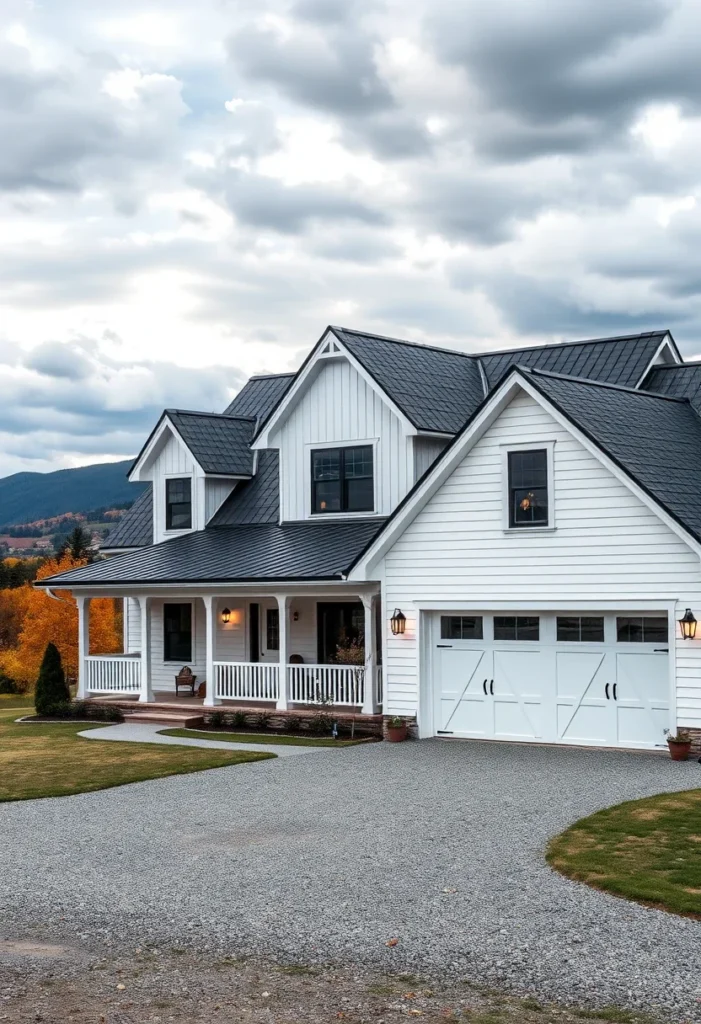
(175, 721)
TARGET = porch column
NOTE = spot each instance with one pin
(210, 628)
(283, 603)
(369, 703)
(83, 645)
(146, 691)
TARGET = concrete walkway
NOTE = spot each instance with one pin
(140, 732)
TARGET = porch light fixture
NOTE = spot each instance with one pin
(398, 622)
(687, 624)
(226, 616)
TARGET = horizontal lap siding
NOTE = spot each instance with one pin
(132, 625)
(340, 406)
(608, 545)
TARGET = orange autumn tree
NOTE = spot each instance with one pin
(46, 620)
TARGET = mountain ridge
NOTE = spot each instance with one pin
(27, 497)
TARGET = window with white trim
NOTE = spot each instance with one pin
(343, 480)
(528, 488)
(179, 503)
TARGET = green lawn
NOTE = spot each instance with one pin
(646, 850)
(247, 737)
(15, 700)
(52, 760)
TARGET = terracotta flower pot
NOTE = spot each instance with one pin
(679, 749)
(397, 733)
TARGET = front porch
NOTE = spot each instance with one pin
(247, 651)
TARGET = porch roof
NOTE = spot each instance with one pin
(238, 554)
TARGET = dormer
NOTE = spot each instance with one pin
(193, 461)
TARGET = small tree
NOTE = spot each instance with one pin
(51, 685)
(78, 544)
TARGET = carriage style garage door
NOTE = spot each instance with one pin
(600, 680)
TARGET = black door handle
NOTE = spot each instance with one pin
(607, 691)
(615, 691)
(491, 687)
(484, 687)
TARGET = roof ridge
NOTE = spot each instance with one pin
(676, 366)
(501, 351)
(216, 415)
(267, 376)
(534, 372)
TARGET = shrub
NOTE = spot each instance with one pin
(51, 688)
(7, 685)
(61, 709)
(291, 723)
(238, 719)
(321, 724)
(262, 720)
(217, 720)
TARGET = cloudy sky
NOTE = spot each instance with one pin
(190, 192)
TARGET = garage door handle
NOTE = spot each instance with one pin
(491, 687)
(607, 691)
(615, 691)
(484, 687)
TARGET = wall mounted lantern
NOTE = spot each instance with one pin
(398, 622)
(226, 616)
(687, 624)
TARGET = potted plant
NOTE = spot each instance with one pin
(397, 730)
(679, 744)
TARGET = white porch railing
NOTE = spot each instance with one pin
(243, 680)
(339, 684)
(112, 673)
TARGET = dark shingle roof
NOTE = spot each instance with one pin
(439, 389)
(654, 439)
(219, 443)
(259, 396)
(256, 500)
(612, 360)
(135, 528)
(294, 551)
(678, 381)
(435, 388)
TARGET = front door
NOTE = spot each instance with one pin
(339, 624)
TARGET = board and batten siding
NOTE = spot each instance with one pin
(172, 460)
(426, 451)
(607, 545)
(215, 494)
(340, 406)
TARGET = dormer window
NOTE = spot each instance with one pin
(342, 480)
(179, 503)
(528, 488)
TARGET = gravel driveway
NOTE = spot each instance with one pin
(439, 844)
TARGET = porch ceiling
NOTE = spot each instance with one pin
(294, 552)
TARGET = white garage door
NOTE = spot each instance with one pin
(600, 680)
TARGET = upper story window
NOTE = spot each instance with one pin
(528, 488)
(342, 480)
(179, 503)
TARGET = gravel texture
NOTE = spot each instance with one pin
(436, 844)
(142, 732)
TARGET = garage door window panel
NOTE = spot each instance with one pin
(461, 627)
(587, 629)
(516, 627)
(642, 629)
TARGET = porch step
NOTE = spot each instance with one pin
(173, 719)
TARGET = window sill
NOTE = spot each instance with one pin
(521, 531)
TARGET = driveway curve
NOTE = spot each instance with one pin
(437, 844)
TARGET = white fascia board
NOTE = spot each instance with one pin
(447, 463)
(140, 468)
(664, 347)
(307, 375)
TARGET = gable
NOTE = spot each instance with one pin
(605, 535)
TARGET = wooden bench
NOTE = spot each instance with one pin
(185, 677)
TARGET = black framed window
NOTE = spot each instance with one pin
(642, 629)
(177, 632)
(272, 629)
(528, 488)
(342, 480)
(179, 503)
(461, 627)
(580, 629)
(516, 627)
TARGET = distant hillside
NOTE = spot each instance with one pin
(26, 497)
